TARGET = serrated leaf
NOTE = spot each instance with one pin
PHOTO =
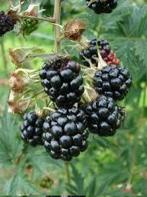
(10, 145)
(19, 185)
(91, 188)
(77, 185)
(141, 51)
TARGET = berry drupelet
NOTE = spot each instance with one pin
(102, 6)
(32, 129)
(62, 81)
(104, 116)
(65, 134)
(113, 81)
(6, 23)
(111, 58)
(91, 53)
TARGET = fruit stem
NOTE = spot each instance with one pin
(57, 17)
(101, 62)
(67, 171)
(49, 109)
(4, 55)
(10, 3)
(48, 19)
(83, 42)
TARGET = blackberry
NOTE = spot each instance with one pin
(113, 81)
(32, 129)
(102, 6)
(91, 53)
(6, 23)
(62, 81)
(104, 116)
(65, 134)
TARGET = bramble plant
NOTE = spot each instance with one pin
(78, 98)
(65, 101)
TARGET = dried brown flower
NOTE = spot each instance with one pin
(18, 81)
(17, 105)
(74, 29)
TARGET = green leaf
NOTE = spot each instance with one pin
(141, 52)
(10, 144)
(19, 185)
(91, 188)
(77, 185)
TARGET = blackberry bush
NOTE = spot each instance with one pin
(68, 86)
(62, 81)
(102, 6)
(65, 133)
(31, 130)
(113, 81)
(91, 53)
(6, 23)
(75, 99)
(104, 116)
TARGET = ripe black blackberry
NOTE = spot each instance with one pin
(62, 81)
(6, 23)
(102, 6)
(113, 81)
(32, 129)
(91, 53)
(104, 116)
(65, 134)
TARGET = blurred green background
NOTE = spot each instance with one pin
(111, 167)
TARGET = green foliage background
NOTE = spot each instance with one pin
(111, 167)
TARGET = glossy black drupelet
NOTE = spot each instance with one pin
(6, 23)
(104, 116)
(91, 52)
(65, 134)
(62, 81)
(32, 129)
(102, 6)
(113, 81)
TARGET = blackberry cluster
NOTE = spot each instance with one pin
(62, 81)
(6, 23)
(65, 135)
(91, 53)
(113, 81)
(32, 129)
(104, 116)
(102, 6)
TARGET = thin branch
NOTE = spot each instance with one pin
(10, 3)
(67, 171)
(57, 17)
(4, 55)
(48, 19)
